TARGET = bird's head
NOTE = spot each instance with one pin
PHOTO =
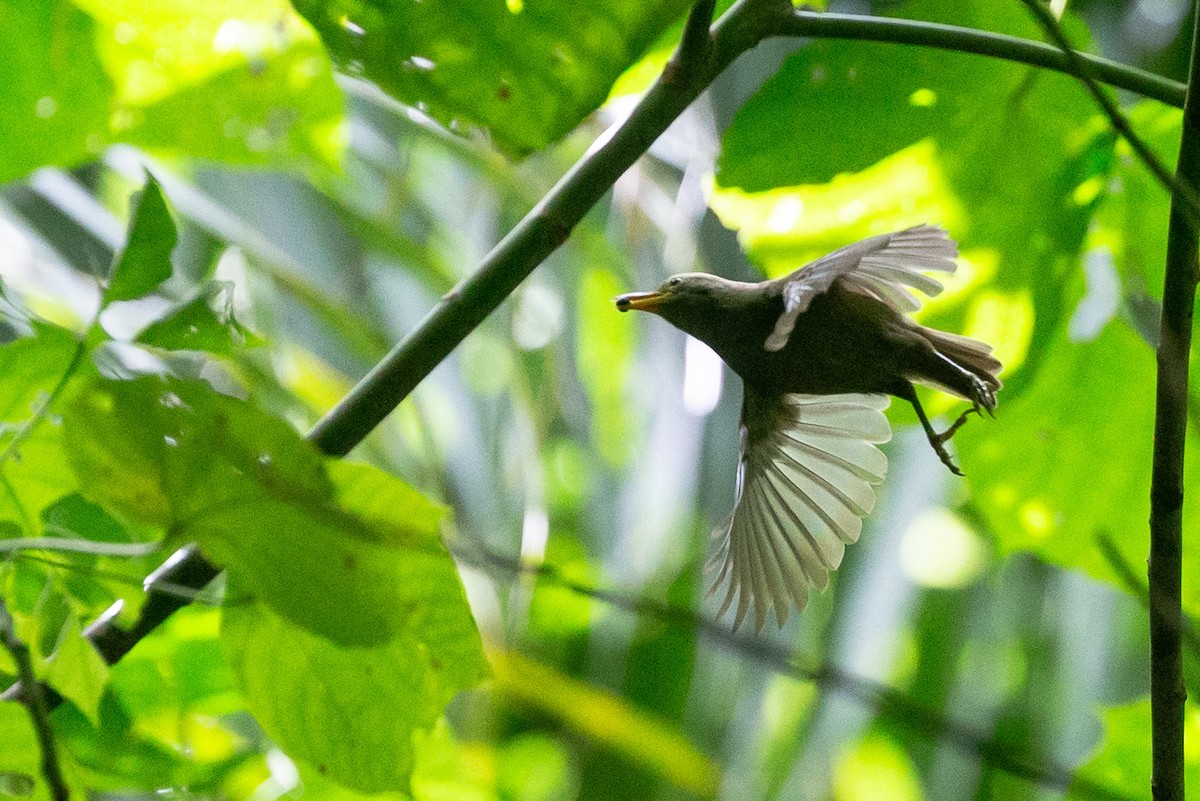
(694, 302)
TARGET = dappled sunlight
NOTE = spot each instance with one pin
(939, 550)
(782, 229)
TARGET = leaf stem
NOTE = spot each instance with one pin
(35, 701)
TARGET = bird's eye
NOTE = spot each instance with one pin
(676, 281)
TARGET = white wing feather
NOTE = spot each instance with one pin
(883, 267)
(805, 481)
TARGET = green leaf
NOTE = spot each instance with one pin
(204, 323)
(30, 367)
(244, 82)
(77, 672)
(528, 72)
(56, 95)
(75, 516)
(332, 547)
(1121, 762)
(180, 668)
(146, 261)
(354, 713)
(34, 472)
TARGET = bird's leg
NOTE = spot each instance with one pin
(935, 439)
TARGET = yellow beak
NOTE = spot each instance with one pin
(640, 301)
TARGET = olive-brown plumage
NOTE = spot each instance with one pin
(818, 351)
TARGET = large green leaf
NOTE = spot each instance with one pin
(1069, 459)
(353, 712)
(528, 72)
(261, 502)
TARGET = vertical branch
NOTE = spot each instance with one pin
(35, 700)
(1167, 692)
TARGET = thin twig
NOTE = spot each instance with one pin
(888, 702)
(35, 701)
(1167, 693)
(861, 27)
(1180, 189)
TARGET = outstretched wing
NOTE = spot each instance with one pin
(805, 481)
(882, 267)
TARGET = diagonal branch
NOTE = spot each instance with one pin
(887, 702)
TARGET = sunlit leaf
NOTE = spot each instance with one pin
(353, 713)
(244, 82)
(526, 71)
(876, 768)
(57, 95)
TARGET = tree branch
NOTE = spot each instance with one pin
(1167, 694)
(35, 701)
(861, 27)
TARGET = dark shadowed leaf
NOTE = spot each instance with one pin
(528, 72)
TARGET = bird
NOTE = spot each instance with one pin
(820, 352)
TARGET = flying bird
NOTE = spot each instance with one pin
(819, 351)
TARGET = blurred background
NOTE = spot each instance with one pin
(604, 447)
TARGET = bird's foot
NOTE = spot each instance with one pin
(938, 441)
